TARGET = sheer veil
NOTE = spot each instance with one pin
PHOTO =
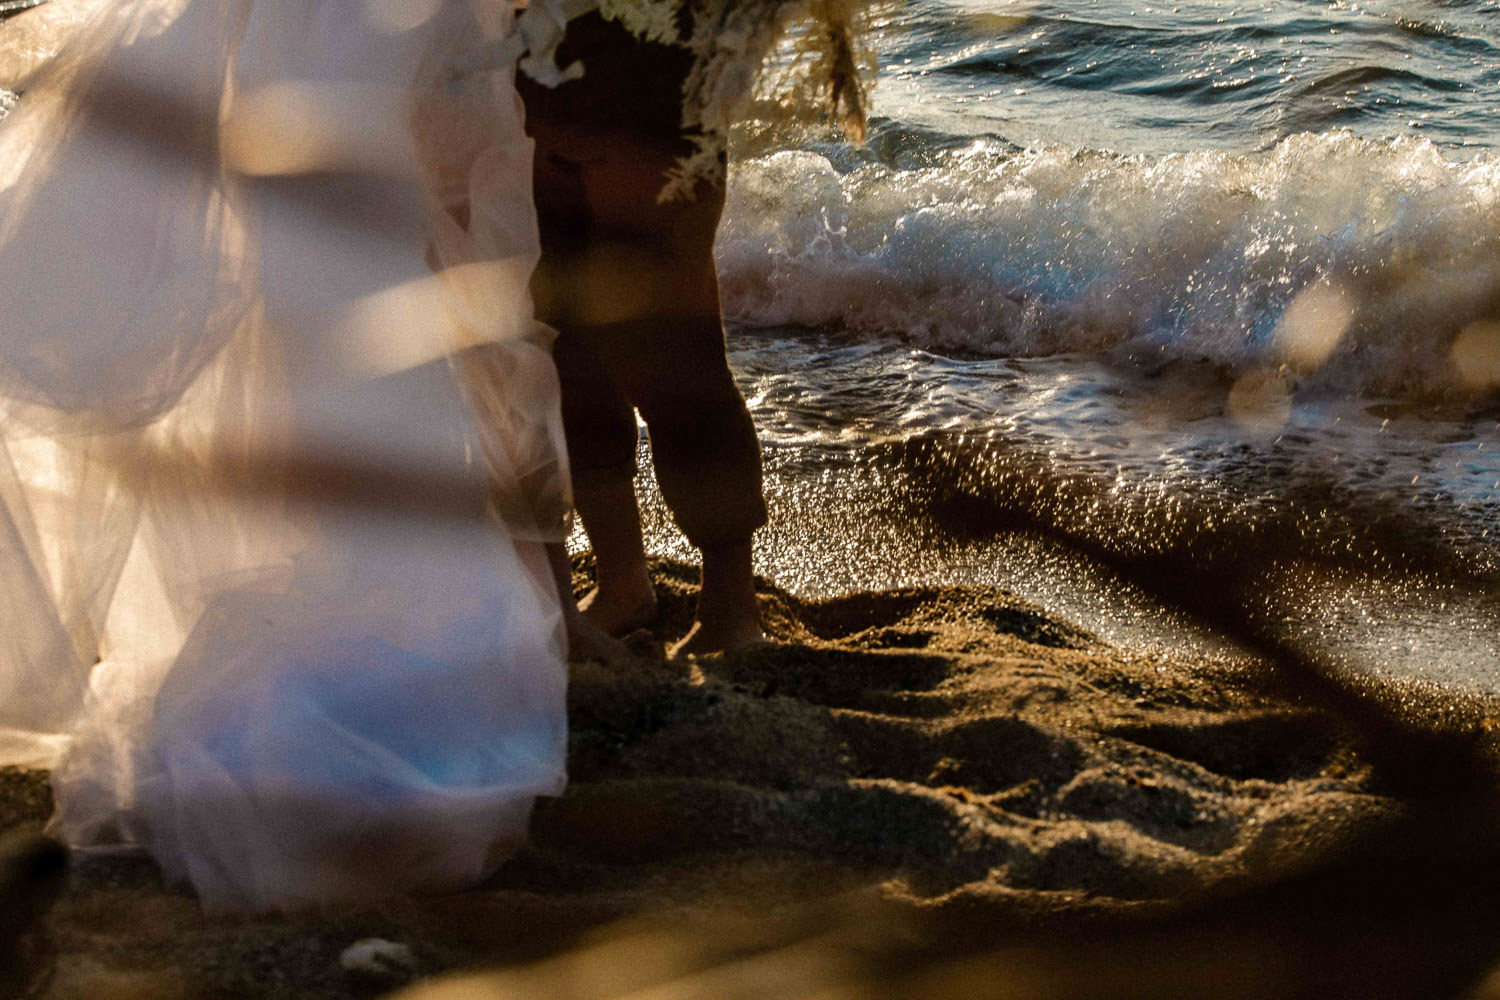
(281, 444)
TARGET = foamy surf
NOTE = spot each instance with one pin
(1348, 264)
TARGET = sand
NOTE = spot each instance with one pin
(919, 791)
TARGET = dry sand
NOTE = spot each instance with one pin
(942, 772)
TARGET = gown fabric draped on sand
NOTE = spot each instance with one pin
(281, 447)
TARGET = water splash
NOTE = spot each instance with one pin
(1206, 256)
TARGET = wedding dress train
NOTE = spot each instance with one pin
(281, 447)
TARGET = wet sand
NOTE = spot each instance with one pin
(917, 777)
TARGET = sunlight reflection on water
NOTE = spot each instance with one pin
(866, 445)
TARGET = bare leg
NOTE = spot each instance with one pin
(624, 598)
(728, 613)
(631, 285)
(585, 640)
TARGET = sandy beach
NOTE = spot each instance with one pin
(911, 779)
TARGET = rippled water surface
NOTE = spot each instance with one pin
(1381, 516)
(1218, 277)
(1158, 78)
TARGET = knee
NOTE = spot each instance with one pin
(598, 420)
(697, 433)
(703, 400)
(602, 442)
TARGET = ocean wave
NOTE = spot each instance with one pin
(1353, 264)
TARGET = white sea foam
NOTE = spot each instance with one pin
(1389, 248)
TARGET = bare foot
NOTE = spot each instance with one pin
(621, 608)
(587, 642)
(728, 611)
(624, 598)
(719, 637)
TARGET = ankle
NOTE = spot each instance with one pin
(631, 586)
(621, 604)
(726, 579)
(727, 602)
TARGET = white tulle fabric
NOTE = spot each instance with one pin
(281, 444)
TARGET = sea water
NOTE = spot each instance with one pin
(1151, 274)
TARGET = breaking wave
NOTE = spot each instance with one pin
(1351, 264)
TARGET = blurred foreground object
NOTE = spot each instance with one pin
(281, 448)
